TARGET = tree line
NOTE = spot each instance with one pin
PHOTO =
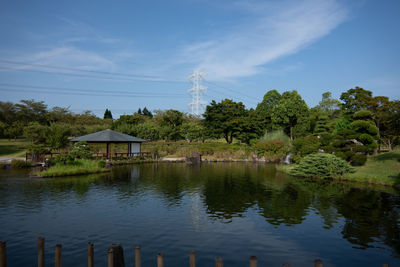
(356, 124)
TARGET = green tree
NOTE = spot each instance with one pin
(59, 114)
(193, 131)
(291, 112)
(328, 104)
(356, 99)
(36, 133)
(364, 126)
(171, 122)
(252, 127)
(30, 110)
(323, 125)
(304, 146)
(107, 114)
(265, 107)
(147, 113)
(7, 112)
(148, 130)
(224, 118)
(57, 135)
(129, 120)
(390, 125)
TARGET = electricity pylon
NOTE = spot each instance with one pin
(196, 92)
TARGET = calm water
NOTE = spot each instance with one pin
(232, 210)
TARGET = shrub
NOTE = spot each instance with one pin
(365, 139)
(321, 165)
(363, 149)
(271, 147)
(276, 135)
(19, 164)
(364, 127)
(304, 146)
(101, 163)
(358, 159)
(63, 159)
(345, 155)
(81, 150)
(362, 115)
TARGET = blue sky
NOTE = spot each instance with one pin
(122, 55)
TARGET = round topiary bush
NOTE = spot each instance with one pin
(358, 159)
(321, 165)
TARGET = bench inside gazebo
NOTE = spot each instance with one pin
(109, 137)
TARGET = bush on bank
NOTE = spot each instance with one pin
(321, 165)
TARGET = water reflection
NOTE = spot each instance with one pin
(368, 217)
(229, 190)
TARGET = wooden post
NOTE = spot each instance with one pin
(58, 256)
(110, 258)
(286, 265)
(160, 260)
(116, 256)
(108, 151)
(40, 252)
(192, 259)
(3, 254)
(90, 255)
(318, 263)
(219, 262)
(253, 261)
(385, 265)
(137, 256)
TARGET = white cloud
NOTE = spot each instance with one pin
(69, 56)
(275, 31)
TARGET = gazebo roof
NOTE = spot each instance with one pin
(108, 136)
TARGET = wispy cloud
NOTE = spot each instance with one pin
(83, 32)
(276, 30)
(69, 56)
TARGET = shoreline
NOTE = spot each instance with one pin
(285, 169)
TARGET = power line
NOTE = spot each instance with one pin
(89, 76)
(88, 71)
(230, 89)
(86, 90)
(118, 77)
(85, 93)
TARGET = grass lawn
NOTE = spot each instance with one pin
(78, 167)
(11, 148)
(379, 169)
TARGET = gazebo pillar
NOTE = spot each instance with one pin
(129, 149)
(108, 151)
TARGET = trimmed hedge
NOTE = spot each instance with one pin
(321, 165)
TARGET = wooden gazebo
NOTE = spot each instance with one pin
(112, 137)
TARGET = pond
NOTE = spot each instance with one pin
(229, 210)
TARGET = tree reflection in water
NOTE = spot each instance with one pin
(367, 215)
(228, 190)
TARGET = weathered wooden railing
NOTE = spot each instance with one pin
(128, 155)
(36, 157)
(116, 257)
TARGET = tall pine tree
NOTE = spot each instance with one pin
(147, 113)
(107, 114)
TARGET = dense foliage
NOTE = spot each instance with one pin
(321, 165)
(352, 128)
